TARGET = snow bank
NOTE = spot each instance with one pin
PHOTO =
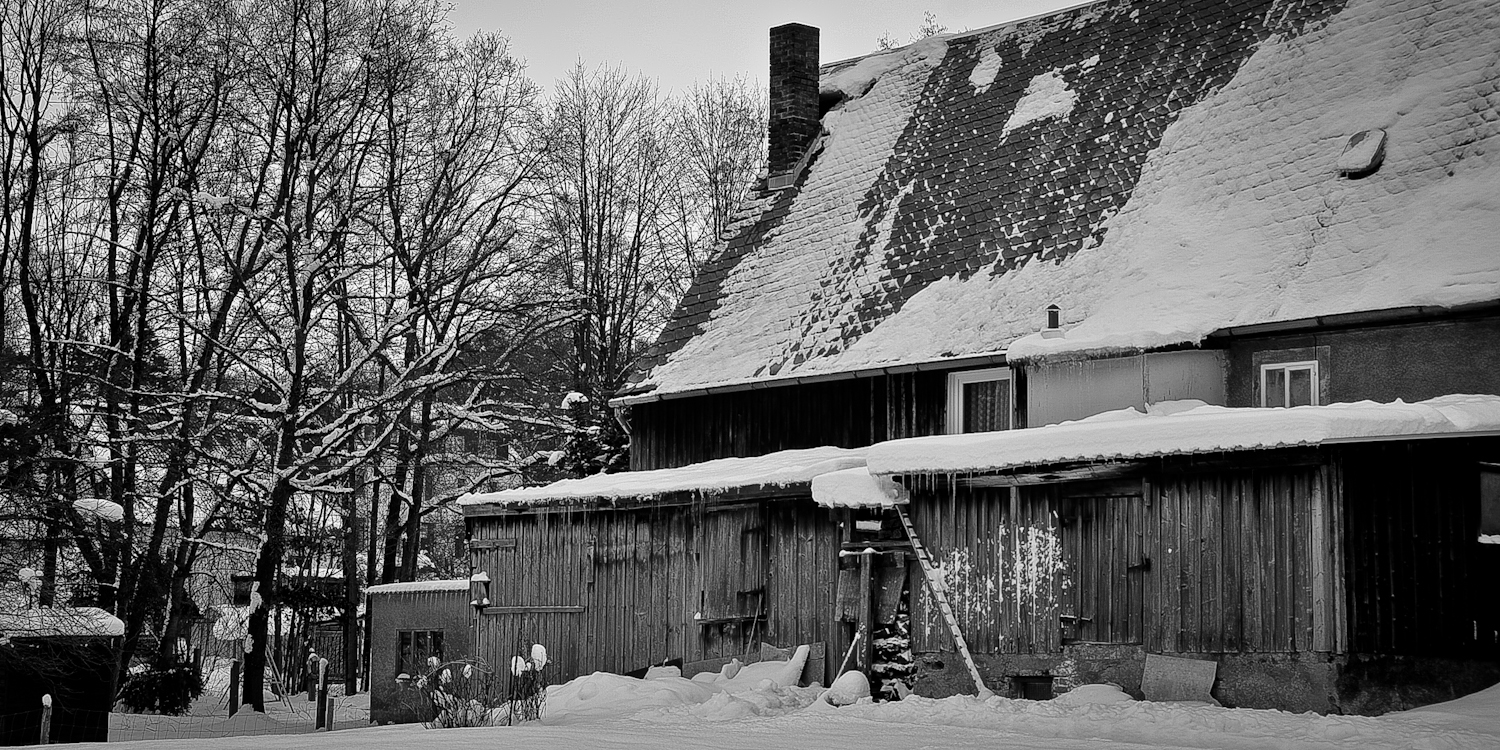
(1149, 724)
(781, 469)
(1169, 430)
(856, 488)
(753, 690)
(410, 587)
(49, 622)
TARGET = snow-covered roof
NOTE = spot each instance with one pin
(1184, 427)
(857, 488)
(49, 622)
(107, 510)
(782, 469)
(414, 587)
(1158, 170)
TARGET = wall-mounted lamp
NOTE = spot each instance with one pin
(479, 590)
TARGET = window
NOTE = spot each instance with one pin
(1489, 503)
(1289, 384)
(979, 400)
(414, 647)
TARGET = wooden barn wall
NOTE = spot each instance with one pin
(619, 590)
(1419, 583)
(848, 413)
(448, 611)
(1182, 562)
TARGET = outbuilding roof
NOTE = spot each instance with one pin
(1158, 170)
(783, 470)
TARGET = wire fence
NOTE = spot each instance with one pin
(75, 725)
(21, 727)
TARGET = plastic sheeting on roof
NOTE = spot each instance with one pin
(780, 469)
(856, 488)
(1128, 433)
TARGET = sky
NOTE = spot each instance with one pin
(678, 42)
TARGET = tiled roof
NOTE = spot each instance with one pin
(1159, 170)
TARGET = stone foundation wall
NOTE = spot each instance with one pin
(1290, 682)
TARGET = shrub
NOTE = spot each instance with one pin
(164, 687)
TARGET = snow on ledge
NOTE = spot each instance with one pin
(856, 488)
(1176, 428)
(49, 622)
(414, 587)
(781, 469)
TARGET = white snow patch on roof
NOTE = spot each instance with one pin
(780, 469)
(1046, 96)
(1172, 430)
(47, 622)
(856, 488)
(99, 508)
(855, 79)
(412, 587)
(983, 75)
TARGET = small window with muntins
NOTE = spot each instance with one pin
(1289, 384)
(979, 400)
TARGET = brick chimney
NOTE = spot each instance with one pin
(794, 94)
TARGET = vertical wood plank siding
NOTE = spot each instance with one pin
(1420, 584)
(648, 585)
(1187, 562)
(845, 413)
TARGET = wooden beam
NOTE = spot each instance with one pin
(554, 608)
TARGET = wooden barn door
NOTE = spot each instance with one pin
(733, 556)
(1105, 551)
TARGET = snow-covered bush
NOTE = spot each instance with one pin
(459, 693)
(166, 687)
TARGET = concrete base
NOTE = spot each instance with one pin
(1290, 682)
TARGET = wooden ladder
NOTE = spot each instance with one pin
(940, 594)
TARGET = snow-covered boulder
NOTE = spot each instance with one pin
(848, 689)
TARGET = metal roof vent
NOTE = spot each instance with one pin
(1363, 154)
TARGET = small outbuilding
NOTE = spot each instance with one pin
(67, 657)
(410, 623)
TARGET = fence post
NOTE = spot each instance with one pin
(234, 686)
(328, 700)
(46, 719)
(322, 694)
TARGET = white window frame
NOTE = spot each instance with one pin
(956, 383)
(1311, 365)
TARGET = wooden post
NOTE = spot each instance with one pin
(322, 722)
(234, 686)
(198, 659)
(866, 610)
(328, 700)
(46, 719)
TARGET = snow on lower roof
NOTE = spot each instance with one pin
(856, 488)
(1176, 428)
(413, 587)
(49, 622)
(780, 469)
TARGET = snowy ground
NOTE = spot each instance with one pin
(755, 711)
